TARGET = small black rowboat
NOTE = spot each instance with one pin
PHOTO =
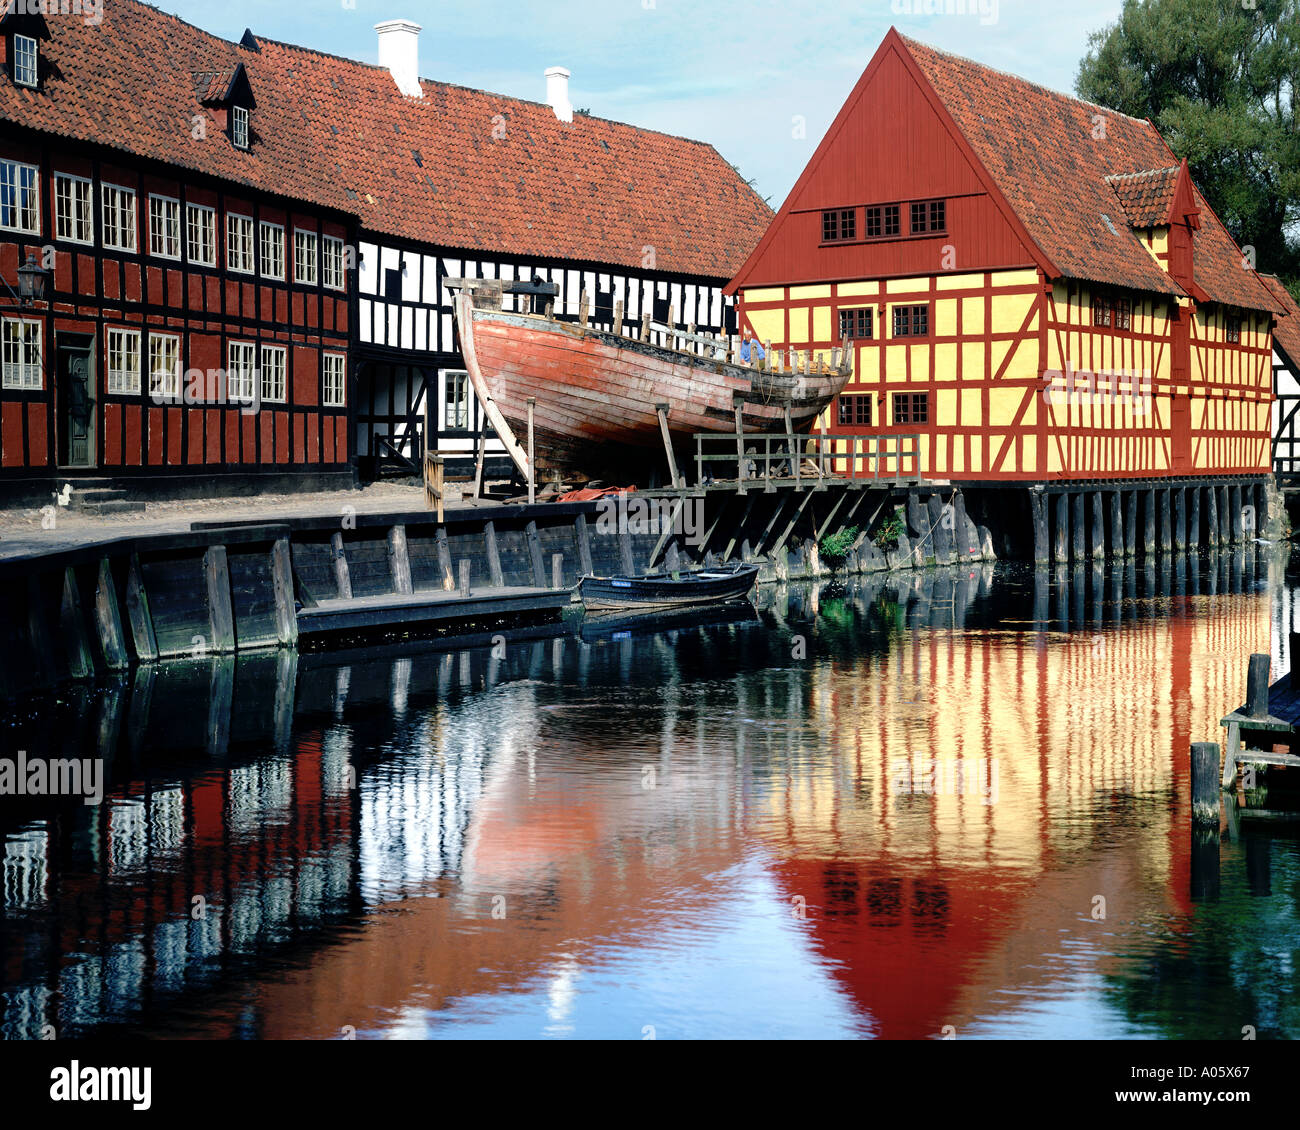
(667, 590)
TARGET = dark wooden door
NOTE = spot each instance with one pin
(76, 394)
(1181, 427)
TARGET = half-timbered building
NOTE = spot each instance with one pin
(240, 251)
(1030, 282)
(175, 303)
(451, 183)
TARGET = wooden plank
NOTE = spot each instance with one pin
(584, 545)
(342, 575)
(108, 619)
(137, 614)
(495, 576)
(72, 622)
(399, 562)
(221, 614)
(286, 616)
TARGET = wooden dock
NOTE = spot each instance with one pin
(1269, 718)
(407, 610)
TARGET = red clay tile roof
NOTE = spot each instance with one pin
(1146, 197)
(1286, 333)
(1050, 155)
(337, 133)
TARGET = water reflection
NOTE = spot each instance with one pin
(879, 810)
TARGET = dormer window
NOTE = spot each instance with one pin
(239, 126)
(25, 59)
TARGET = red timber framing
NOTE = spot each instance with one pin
(133, 435)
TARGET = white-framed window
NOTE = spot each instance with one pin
(164, 366)
(73, 211)
(122, 350)
(304, 257)
(201, 234)
(239, 126)
(272, 245)
(20, 354)
(332, 264)
(241, 370)
(20, 197)
(273, 373)
(333, 380)
(25, 72)
(239, 243)
(119, 217)
(164, 227)
(455, 403)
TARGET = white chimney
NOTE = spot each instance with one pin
(557, 93)
(399, 51)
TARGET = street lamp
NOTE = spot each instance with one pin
(33, 281)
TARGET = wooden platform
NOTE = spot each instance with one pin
(1270, 716)
(389, 610)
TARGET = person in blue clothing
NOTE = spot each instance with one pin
(747, 356)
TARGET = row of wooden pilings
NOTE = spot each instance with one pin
(1089, 521)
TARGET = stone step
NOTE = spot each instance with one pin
(99, 509)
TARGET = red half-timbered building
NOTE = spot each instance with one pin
(192, 288)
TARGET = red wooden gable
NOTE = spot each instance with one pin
(893, 142)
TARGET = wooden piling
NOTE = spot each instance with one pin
(1038, 516)
(1098, 546)
(138, 616)
(342, 574)
(221, 615)
(1130, 523)
(1205, 783)
(1149, 523)
(532, 454)
(495, 575)
(1062, 529)
(108, 620)
(1180, 519)
(1194, 518)
(1212, 516)
(1257, 686)
(465, 567)
(72, 622)
(535, 554)
(399, 562)
(1116, 526)
(1238, 525)
(584, 545)
(1166, 522)
(557, 571)
(1225, 516)
(1080, 538)
(286, 615)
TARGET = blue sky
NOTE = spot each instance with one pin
(735, 73)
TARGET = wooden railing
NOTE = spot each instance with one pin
(763, 458)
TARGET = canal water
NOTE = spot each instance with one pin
(950, 804)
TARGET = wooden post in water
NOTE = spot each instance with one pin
(342, 574)
(286, 615)
(1149, 523)
(1076, 506)
(112, 641)
(1062, 529)
(1194, 519)
(557, 570)
(1130, 523)
(464, 565)
(1212, 516)
(399, 564)
(532, 463)
(1098, 545)
(1205, 783)
(1180, 519)
(1042, 542)
(221, 613)
(1257, 686)
(1116, 526)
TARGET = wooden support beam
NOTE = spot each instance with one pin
(342, 574)
(221, 615)
(137, 614)
(625, 549)
(399, 563)
(1180, 519)
(443, 549)
(535, 554)
(666, 532)
(557, 571)
(1238, 525)
(108, 620)
(1079, 540)
(1062, 529)
(286, 615)
(1205, 783)
(1038, 519)
(1194, 519)
(1166, 521)
(583, 536)
(532, 453)
(495, 576)
(739, 528)
(1130, 523)
(465, 565)
(1257, 686)
(662, 410)
(1116, 526)
(830, 516)
(72, 624)
(1225, 516)
(1149, 523)
(1097, 532)
(741, 474)
(480, 456)
(790, 525)
(618, 318)
(1212, 516)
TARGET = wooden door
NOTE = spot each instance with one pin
(76, 398)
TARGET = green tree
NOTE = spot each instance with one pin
(1218, 78)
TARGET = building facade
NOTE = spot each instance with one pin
(1030, 282)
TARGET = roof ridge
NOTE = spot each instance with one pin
(1021, 79)
(1142, 173)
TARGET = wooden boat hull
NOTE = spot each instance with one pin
(597, 393)
(664, 591)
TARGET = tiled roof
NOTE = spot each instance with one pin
(1286, 333)
(1050, 155)
(1146, 197)
(458, 168)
